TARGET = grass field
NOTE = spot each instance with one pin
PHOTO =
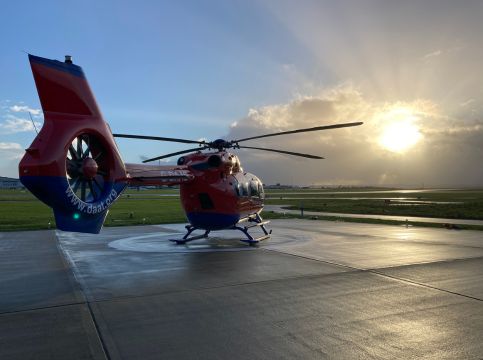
(28, 213)
(19, 210)
(453, 204)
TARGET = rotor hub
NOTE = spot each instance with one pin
(89, 168)
(220, 144)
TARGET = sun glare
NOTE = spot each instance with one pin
(400, 132)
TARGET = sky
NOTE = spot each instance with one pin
(410, 70)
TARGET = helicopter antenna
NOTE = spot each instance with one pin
(33, 123)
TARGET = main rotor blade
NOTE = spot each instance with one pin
(184, 141)
(317, 128)
(176, 153)
(282, 152)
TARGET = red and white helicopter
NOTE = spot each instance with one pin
(74, 166)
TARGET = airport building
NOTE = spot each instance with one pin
(10, 183)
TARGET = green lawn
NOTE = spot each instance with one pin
(469, 210)
(28, 215)
(130, 211)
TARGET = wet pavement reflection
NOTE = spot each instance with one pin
(315, 290)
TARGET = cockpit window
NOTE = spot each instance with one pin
(261, 192)
(254, 188)
(243, 189)
(246, 189)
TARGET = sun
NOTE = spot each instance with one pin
(400, 132)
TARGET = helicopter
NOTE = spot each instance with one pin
(74, 166)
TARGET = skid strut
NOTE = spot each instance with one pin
(253, 220)
(186, 238)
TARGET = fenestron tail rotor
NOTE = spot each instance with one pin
(87, 167)
(221, 144)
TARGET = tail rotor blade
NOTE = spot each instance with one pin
(83, 190)
(76, 183)
(73, 153)
(88, 149)
(79, 147)
(91, 189)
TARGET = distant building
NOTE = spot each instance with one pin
(10, 183)
(280, 186)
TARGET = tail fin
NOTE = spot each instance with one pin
(63, 88)
(73, 165)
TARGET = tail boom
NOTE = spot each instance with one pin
(153, 175)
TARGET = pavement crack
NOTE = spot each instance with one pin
(380, 273)
(41, 308)
(413, 282)
(83, 289)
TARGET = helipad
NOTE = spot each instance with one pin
(315, 290)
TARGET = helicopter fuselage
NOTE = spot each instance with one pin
(216, 193)
(220, 193)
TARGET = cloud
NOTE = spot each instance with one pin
(11, 151)
(303, 111)
(14, 124)
(432, 54)
(10, 146)
(10, 154)
(448, 147)
(467, 102)
(24, 108)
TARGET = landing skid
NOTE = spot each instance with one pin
(253, 220)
